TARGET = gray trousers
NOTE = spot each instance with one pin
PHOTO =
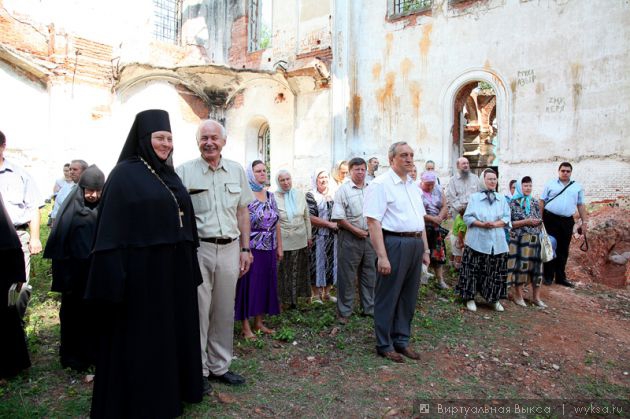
(396, 294)
(355, 259)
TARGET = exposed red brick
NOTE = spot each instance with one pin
(197, 109)
(237, 101)
(238, 56)
(92, 63)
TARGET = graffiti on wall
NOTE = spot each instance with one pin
(555, 104)
(525, 77)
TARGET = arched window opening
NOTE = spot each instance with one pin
(475, 131)
(264, 142)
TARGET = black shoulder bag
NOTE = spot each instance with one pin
(565, 188)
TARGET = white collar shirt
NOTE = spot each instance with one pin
(395, 203)
(19, 193)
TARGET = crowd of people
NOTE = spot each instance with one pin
(156, 264)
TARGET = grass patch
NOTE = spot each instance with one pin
(314, 367)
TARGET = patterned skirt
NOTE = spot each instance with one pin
(524, 262)
(435, 239)
(323, 260)
(484, 274)
(293, 276)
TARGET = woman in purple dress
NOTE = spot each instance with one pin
(257, 291)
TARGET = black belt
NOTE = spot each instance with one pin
(216, 240)
(23, 227)
(416, 234)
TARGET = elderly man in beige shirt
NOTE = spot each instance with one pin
(220, 194)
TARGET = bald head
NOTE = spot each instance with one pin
(463, 165)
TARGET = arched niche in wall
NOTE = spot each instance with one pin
(258, 140)
(476, 87)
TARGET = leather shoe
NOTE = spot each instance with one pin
(342, 320)
(392, 356)
(566, 283)
(229, 377)
(548, 281)
(409, 353)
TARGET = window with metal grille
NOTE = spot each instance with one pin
(166, 20)
(259, 25)
(403, 7)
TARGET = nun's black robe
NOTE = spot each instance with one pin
(13, 351)
(69, 246)
(144, 265)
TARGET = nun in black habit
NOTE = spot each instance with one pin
(69, 246)
(144, 265)
(13, 351)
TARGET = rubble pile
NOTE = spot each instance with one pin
(608, 259)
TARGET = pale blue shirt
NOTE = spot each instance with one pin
(397, 205)
(61, 196)
(487, 240)
(564, 205)
(19, 193)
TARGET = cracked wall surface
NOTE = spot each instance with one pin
(339, 79)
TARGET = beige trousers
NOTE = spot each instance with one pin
(219, 268)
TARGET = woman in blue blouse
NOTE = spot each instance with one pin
(484, 263)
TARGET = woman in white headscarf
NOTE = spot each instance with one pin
(484, 264)
(323, 255)
(295, 228)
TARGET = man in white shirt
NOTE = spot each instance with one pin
(76, 170)
(395, 215)
(22, 202)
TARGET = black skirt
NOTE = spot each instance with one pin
(484, 274)
(149, 359)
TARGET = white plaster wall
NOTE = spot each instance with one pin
(24, 120)
(47, 127)
(260, 104)
(313, 145)
(563, 65)
(157, 94)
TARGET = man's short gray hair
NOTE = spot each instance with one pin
(207, 121)
(391, 153)
(81, 163)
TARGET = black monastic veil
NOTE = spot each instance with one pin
(144, 265)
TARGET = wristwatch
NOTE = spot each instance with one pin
(246, 249)
(428, 251)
